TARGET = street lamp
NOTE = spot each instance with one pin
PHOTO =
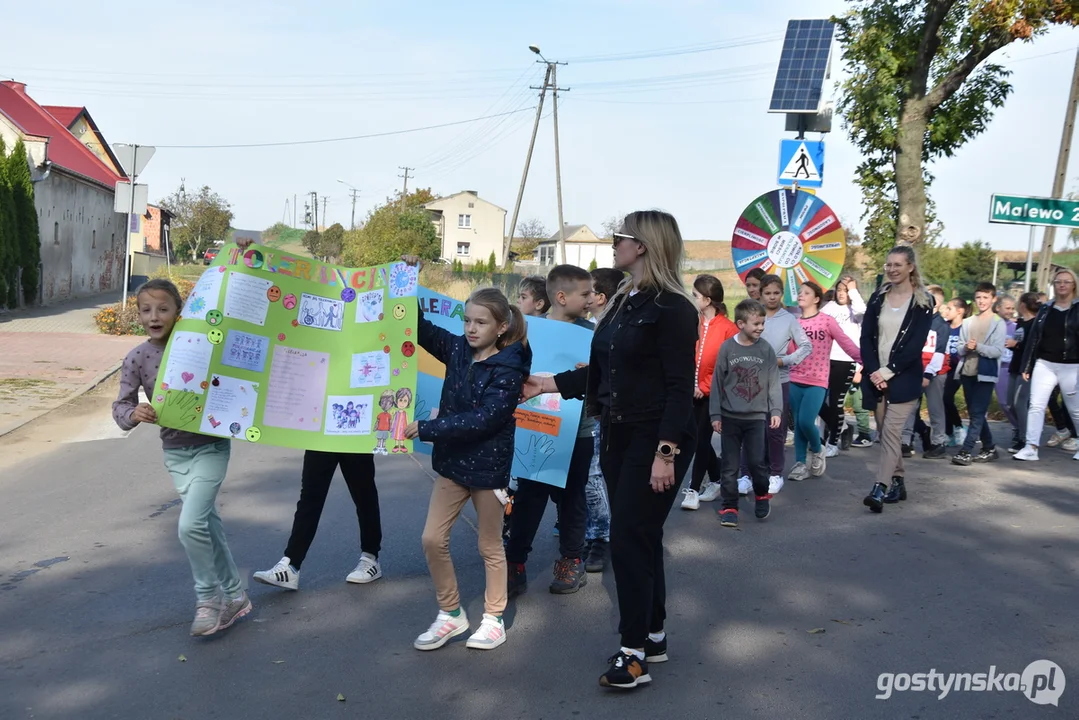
(355, 192)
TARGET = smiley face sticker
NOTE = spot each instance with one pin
(214, 317)
(289, 301)
(398, 312)
(215, 336)
(273, 294)
(253, 434)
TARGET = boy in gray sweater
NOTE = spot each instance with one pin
(746, 394)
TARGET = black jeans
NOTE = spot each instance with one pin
(530, 502)
(840, 377)
(318, 470)
(740, 436)
(637, 516)
(704, 458)
(978, 395)
(952, 420)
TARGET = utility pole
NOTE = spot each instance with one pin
(1046, 262)
(314, 196)
(324, 221)
(352, 222)
(294, 210)
(550, 82)
(405, 176)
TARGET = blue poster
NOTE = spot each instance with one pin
(546, 425)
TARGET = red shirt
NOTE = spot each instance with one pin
(710, 335)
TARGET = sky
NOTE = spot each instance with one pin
(685, 131)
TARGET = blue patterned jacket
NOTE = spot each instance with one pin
(474, 432)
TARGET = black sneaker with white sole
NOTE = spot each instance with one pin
(987, 456)
(626, 671)
(655, 652)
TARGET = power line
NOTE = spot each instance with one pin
(332, 140)
(680, 50)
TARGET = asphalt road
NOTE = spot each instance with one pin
(977, 569)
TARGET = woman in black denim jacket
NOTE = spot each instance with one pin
(640, 385)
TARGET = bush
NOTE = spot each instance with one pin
(593, 265)
(112, 320)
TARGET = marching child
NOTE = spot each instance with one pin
(954, 311)
(981, 344)
(1019, 387)
(937, 364)
(197, 464)
(473, 452)
(746, 399)
(569, 291)
(532, 296)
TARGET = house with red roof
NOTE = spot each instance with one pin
(83, 240)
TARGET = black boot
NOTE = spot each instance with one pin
(897, 492)
(875, 499)
(596, 559)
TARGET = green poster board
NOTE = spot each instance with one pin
(288, 351)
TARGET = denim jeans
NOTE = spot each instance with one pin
(598, 506)
(978, 395)
(197, 472)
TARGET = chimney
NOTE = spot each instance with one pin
(18, 87)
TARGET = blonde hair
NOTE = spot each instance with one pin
(664, 254)
(921, 292)
(503, 312)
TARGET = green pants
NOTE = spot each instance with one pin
(860, 413)
(198, 473)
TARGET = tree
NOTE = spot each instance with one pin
(199, 220)
(593, 265)
(312, 242)
(401, 226)
(274, 232)
(973, 264)
(529, 235)
(333, 241)
(919, 88)
(611, 225)
(28, 244)
(492, 262)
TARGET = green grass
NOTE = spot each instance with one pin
(290, 241)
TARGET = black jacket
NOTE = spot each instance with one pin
(474, 432)
(653, 342)
(1034, 335)
(905, 359)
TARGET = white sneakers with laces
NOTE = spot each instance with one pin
(831, 451)
(1070, 445)
(444, 628)
(817, 463)
(367, 571)
(491, 634)
(691, 501)
(745, 485)
(282, 575)
(775, 484)
(1029, 453)
(709, 492)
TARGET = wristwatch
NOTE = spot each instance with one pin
(666, 451)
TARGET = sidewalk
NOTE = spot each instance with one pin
(51, 355)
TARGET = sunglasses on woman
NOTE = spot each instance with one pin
(619, 237)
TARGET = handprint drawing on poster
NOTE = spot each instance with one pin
(533, 456)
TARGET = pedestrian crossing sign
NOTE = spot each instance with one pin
(802, 162)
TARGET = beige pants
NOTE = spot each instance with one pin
(447, 500)
(891, 417)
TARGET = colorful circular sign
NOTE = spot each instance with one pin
(794, 235)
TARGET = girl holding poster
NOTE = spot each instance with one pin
(197, 464)
(473, 452)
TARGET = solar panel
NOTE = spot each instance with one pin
(803, 66)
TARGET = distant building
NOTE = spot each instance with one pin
(582, 248)
(82, 236)
(152, 235)
(469, 227)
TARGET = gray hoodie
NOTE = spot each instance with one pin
(780, 331)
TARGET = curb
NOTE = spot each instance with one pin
(8, 429)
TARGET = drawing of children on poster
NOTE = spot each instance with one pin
(383, 422)
(403, 399)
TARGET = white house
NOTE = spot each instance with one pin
(582, 248)
(469, 227)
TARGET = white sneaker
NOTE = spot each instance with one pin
(691, 501)
(1028, 453)
(491, 634)
(283, 575)
(745, 485)
(798, 472)
(831, 450)
(1070, 445)
(1057, 438)
(367, 571)
(442, 629)
(817, 463)
(790, 438)
(709, 492)
(775, 484)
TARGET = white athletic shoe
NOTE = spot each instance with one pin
(1057, 438)
(442, 629)
(798, 472)
(367, 571)
(745, 485)
(283, 575)
(817, 463)
(775, 484)
(491, 634)
(1070, 445)
(790, 438)
(831, 450)
(1029, 453)
(691, 501)
(709, 492)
